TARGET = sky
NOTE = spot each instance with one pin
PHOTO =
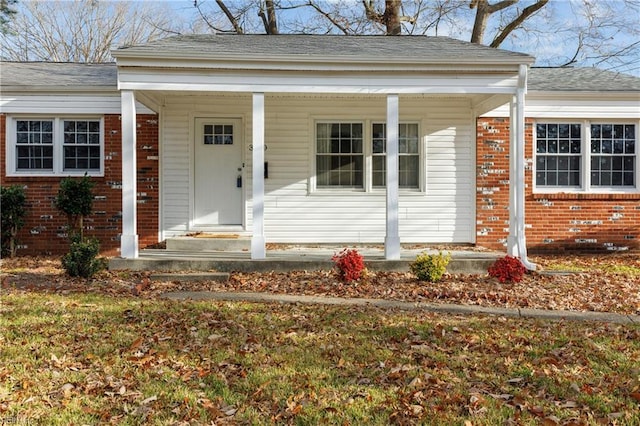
(550, 36)
(554, 45)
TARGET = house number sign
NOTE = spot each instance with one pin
(251, 147)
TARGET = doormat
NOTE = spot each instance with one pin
(221, 236)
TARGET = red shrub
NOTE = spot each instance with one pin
(508, 269)
(349, 265)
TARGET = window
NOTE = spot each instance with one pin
(34, 145)
(558, 154)
(81, 145)
(563, 151)
(339, 155)
(409, 155)
(353, 155)
(54, 146)
(218, 134)
(613, 148)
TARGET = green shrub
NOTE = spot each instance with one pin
(13, 201)
(430, 267)
(82, 259)
(75, 200)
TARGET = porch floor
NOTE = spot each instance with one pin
(464, 259)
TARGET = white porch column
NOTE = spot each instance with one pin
(392, 238)
(512, 238)
(129, 236)
(258, 247)
(517, 197)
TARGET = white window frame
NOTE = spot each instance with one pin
(585, 178)
(365, 135)
(58, 146)
(367, 155)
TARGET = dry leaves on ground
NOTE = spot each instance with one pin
(605, 284)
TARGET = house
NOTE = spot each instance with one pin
(327, 139)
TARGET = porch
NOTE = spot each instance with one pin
(465, 259)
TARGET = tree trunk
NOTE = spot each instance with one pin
(480, 24)
(391, 17)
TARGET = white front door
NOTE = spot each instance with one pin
(218, 176)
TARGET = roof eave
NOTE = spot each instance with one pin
(241, 58)
(630, 94)
(7, 90)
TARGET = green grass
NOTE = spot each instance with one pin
(89, 359)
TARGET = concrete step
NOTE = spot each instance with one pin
(191, 276)
(458, 265)
(210, 242)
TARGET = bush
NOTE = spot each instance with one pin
(430, 267)
(82, 261)
(349, 265)
(12, 200)
(507, 269)
(75, 200)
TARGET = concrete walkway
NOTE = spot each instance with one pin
(295, 258)
(428, 307)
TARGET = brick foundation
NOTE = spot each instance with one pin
(554, 222)
(44, 230)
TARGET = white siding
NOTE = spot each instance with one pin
(445, 212)
(65, 104)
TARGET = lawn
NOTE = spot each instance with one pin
(94, 358)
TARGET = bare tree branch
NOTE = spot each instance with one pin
(517, 22)
(483, 12)
(328, 16)
(232, 19)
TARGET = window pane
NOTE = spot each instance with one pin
(322, 146)
(575, 146)
(409, 171)
(378, 174)
(22, 138)
(563, 163)
(630, 147)
(629, 131)
(628, 179)
(378, 146)
(322, 131)
(563, 179)
(563, 130)
(379, 131)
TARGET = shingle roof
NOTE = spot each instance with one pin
(581, 80)
(58, 75)
(295, 46)
(42, 75)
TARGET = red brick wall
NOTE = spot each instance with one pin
(555, 222)
(44, 230)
